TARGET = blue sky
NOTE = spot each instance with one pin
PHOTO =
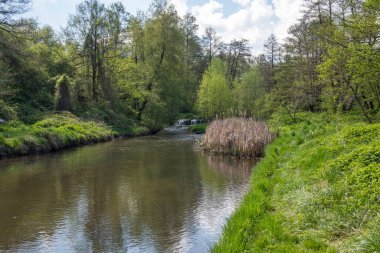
(233, 19)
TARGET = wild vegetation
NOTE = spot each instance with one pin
(239, 137)
(329, 62)
(315, 191)
(199, 128)
(53, 133)
(317, 187)
(150, 67)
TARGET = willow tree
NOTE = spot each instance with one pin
(163, 59)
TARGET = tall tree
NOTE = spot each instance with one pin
(211, 43)
(238, 57)
(193, 67)
(215, 98)
(164, 47)
(96, 30)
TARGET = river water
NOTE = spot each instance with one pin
(147, 194)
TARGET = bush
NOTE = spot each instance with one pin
(198, 129)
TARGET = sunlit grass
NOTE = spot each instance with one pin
(55, 132)
(316, 190)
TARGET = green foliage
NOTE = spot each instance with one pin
(249, 93)
(7, 112)
(199, 128)
(154, 117)
(62, 96)
(214, 96)
(315, 191)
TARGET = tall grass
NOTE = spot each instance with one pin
(237, 137)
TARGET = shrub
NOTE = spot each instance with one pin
(199, 129)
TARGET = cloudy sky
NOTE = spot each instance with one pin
(232, 19)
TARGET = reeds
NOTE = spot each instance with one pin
(237, 137)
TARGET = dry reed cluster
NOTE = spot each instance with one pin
(238, 137)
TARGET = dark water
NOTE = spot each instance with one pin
(149, 194)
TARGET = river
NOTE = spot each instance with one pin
(147, 194)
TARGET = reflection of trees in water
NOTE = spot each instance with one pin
(56, 193)
(160, 194)
(107, 200)
(104, 199)
(32, 199)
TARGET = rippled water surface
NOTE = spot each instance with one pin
(148, 194)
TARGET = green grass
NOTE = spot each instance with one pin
(55, 132)
(316, 190)
(199, 128)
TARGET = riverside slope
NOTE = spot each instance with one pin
(316, 190)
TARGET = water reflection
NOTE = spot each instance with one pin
(151, 194)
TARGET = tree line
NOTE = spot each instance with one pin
(330, 61)
(109, 65)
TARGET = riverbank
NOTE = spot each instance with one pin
(316, 190)
(55, 132)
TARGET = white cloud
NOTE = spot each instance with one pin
(242, 2)
(255, 20)
(260, 11)
(181, 6)
(288, 11)
(209, 14)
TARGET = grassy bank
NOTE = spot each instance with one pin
(316, 190)
(55, 132)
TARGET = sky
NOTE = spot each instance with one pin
(254, 20)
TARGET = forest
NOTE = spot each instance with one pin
(123, 69)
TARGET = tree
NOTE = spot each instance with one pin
(193, 67)
(9, 9)
(249, 93)
(211, 44)
(97, 32)
(237, 59)
(351, 67)
(215, 98)
(164, 58)
(269, 61)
